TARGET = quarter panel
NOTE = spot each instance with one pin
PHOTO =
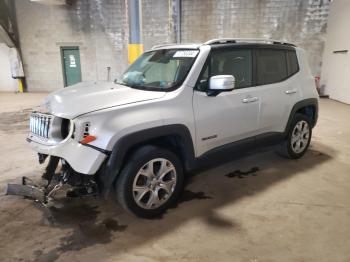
(307, 81)
(276, 104)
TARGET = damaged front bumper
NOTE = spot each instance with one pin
(81, 158)
(74, 184)
(32, 190)
(27, 190)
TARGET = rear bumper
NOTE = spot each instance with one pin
(82, 159)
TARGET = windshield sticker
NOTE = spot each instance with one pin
(186, 53)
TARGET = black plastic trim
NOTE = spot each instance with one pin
(106, 152)
(252, 45)
(224, 153)
(237, 149)
(120, 149)
(269, 139)
(299, 105)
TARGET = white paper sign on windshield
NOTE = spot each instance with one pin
(186, 53)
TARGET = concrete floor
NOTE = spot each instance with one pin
(286, 211)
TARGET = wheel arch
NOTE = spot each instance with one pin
(308, 107)
(176, 138)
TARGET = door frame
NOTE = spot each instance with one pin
(210, 142)
(62, 48)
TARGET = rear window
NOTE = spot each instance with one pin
(271, 66)
(292, 63)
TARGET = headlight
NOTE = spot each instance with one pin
(65, 127)
(49, 129)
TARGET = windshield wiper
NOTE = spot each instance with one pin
(122, 84)
(147, 88)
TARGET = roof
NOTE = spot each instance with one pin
(247, 40)
(218, 41)
(181, 46)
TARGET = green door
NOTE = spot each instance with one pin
(71, 65)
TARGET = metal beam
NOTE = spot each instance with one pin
(177, 19)
(135, 47)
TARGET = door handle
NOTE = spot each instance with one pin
(291, 91)
(250, 99)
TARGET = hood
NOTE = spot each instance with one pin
(86, 97)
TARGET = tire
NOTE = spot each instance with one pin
(289, 147)
(137, 186)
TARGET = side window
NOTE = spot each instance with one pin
(228, 62)
(271, 66)
(233, 62)
(292, 63)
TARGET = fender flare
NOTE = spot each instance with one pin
(299, 105)
(116, 159)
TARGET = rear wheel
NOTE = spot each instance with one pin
(150, 181)
(298, 138)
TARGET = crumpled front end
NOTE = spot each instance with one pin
(54, 136)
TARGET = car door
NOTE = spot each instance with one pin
(229, 116)
(278, 88)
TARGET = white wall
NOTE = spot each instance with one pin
(7, 83)
(335, 74)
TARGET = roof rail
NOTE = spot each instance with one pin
(237, 40)
(161, 45)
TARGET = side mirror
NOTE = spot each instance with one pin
(221, 83)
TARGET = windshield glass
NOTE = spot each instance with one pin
(159, 69)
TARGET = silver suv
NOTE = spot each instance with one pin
(176, 108)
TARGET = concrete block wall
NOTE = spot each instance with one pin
(100, 29)
(97, 27)
(157, 23)
(299, 21)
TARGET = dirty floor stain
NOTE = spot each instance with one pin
(87, 230)
(241, 174)
(189, 195)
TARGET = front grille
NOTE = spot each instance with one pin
(39, 124)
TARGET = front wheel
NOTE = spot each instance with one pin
(298, 138)
(150, 181)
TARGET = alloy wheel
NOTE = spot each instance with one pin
(154, 183)
(300, 136)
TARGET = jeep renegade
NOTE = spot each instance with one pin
(176, 108)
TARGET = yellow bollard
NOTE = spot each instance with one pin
(134, 51)
(20, 85)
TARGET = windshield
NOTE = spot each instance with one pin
(159, 70)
